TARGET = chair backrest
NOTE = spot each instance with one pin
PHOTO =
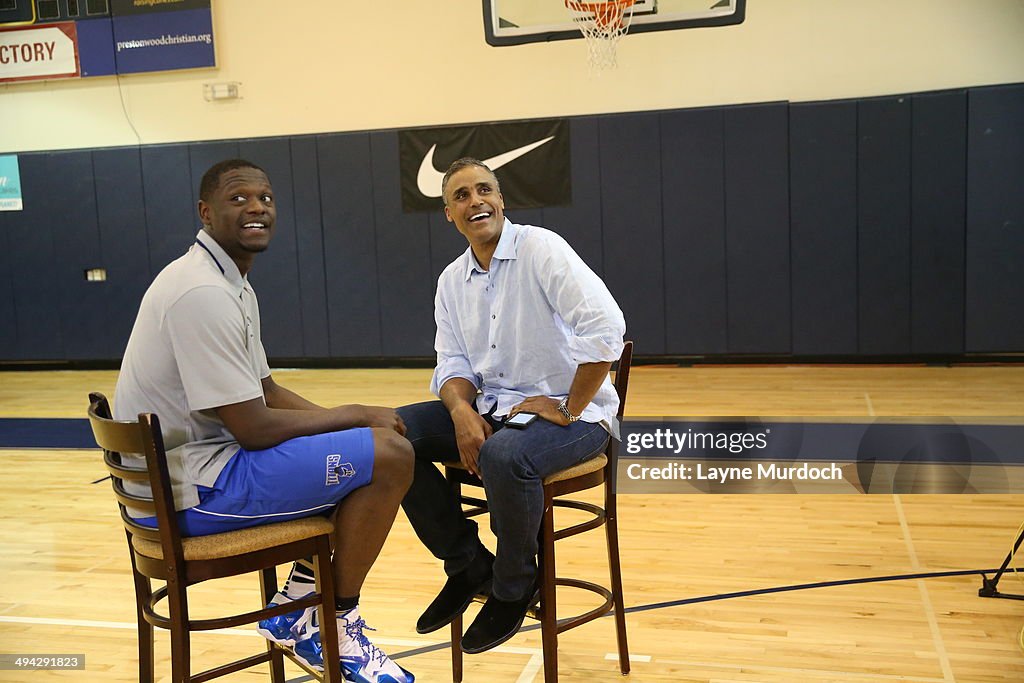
(622, 376)
(140, 437)
(621, 388)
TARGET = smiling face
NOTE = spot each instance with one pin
(239, 213)
(474, 203)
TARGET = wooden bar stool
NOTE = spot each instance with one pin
(587, 475)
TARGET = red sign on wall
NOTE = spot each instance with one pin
(32, 53)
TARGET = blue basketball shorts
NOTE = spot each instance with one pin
(299, 478)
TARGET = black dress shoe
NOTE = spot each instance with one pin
(497, 622)
(459, 590)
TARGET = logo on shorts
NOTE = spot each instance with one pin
(336, 469)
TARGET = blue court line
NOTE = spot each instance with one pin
(38, 432)
(745, 594)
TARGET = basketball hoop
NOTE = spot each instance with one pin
(602, 24)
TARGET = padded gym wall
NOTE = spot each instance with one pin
(882, 227)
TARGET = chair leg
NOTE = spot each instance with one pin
(324, 573)
(177, 606)
(548, 610)
(268, 587)
(143, 593)
(615, 569)
(456, 626)
(457, 649)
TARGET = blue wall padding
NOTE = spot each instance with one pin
(34, 271)
(887, 226)
(995, 219)
(631, 218)
(81, 306)
(938, 195)
(823, 227)
(693, 195)
(580, 222)
(883, 225)
(171, 219)
(312, 301)
(402, 255)
(350, 245)
(757, 228)
(124, 244)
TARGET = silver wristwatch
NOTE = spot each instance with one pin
(563, 408)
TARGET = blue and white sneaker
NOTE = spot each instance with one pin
(306, 633)
(361, 660)
(281, 629)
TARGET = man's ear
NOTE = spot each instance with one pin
(448, 214)
(204, 212)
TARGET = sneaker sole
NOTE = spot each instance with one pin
(288, 642)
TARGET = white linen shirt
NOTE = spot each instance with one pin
(523, 327)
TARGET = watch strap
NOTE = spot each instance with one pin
(563, 408)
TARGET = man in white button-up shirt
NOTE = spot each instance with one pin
(523, 326)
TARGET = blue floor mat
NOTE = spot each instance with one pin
(34, 432)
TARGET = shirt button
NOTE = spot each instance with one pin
(493, 346)
(501, 374)
(493, 317)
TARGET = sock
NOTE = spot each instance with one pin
(345, 604)
(301, 581)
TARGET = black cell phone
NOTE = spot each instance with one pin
(520, 420)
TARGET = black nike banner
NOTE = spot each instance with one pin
(530, 158)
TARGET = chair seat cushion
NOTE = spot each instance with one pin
(232, 543)
(592, 465)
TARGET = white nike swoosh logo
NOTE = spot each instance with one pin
(429, 179)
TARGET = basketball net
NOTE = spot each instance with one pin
(602, 24)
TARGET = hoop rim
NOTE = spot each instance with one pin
(604, 13)
(592, 6)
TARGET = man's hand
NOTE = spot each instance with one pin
(544, 406)
(471, 430)
(377, 416)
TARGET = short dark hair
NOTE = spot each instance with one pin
(211, 179)
(460, 164)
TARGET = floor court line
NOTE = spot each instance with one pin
(531, 669)
(929, 610)
(614, 657)
(805, 586)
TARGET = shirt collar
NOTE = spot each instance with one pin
(505, 251)
(221, 259)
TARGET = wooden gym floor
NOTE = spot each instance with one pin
(65, 585)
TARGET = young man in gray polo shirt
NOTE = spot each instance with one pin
(243, 450)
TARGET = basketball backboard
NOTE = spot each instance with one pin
(514, 22)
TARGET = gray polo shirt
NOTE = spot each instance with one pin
(195, 346)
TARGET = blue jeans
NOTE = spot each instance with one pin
(514, 463)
